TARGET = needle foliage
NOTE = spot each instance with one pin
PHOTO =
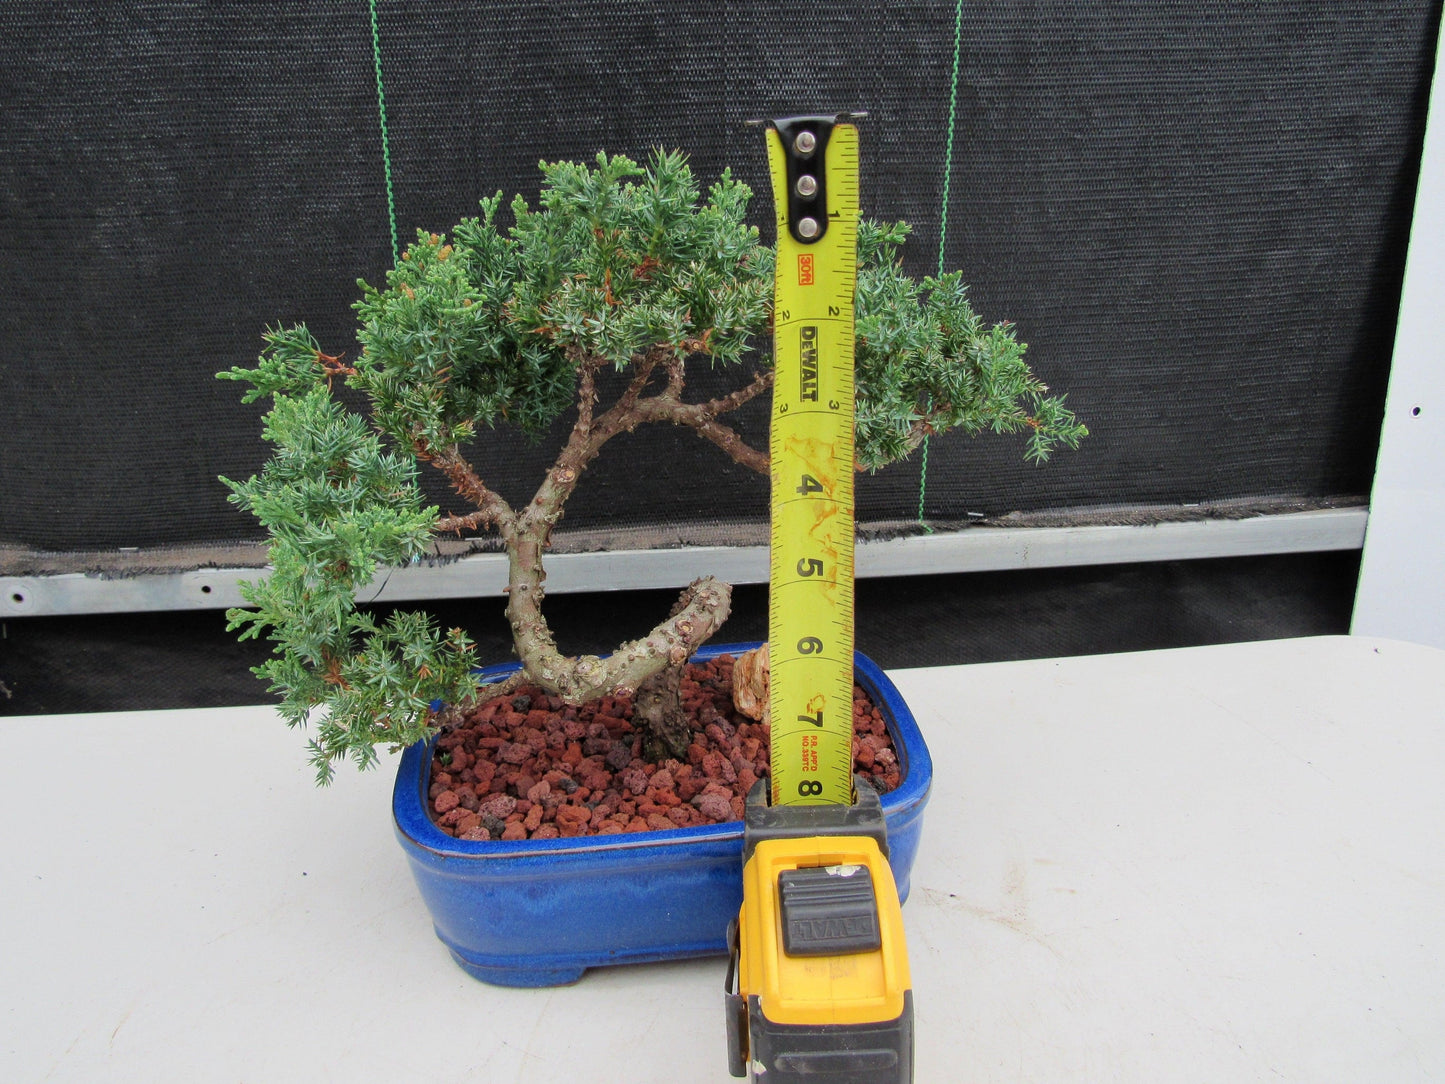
(620, 267)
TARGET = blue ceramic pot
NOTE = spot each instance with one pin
(540, 912)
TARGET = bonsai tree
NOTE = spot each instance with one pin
(620, 268)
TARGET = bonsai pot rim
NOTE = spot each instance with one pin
(415, 824)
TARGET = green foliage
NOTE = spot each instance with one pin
(927, 363)
(291, 364)
(491, 324)
(338, 508)
(617, 264)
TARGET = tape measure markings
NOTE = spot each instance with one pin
(810, 627)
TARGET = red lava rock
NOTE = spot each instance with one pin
(613, 725)
(714, 807)
(572, 820)
(635, 780)
(513, 753)
(467, 822)
(498, 805)
(527, 765)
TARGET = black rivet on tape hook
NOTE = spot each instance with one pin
(805, 141)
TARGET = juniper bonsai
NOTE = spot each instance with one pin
(618, 267)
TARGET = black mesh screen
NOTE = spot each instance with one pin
(1196, 213)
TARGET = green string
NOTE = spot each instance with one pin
(943, 222)
(385, 142)
(948, 143)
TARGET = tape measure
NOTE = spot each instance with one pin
(818, 984)
(814, 167)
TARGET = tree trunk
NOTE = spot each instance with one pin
(657, 707)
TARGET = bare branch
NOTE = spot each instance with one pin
(727, 439)
(702, 417)
(492, 511)
(675, 374)
(586, 390)
(457, 524)
(646, 364)
(761, 383)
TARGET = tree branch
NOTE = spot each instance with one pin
(457, 524)
(702, 417)
(492, 511)
(586, 441)
(586, 390)
(675, 374)
(728, 440)
(761, 383)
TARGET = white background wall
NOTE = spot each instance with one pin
(1402, 577)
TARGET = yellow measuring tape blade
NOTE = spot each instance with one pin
(810, 615)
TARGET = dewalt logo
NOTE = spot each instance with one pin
(808, 370)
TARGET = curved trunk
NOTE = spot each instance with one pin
(657, 708)
(698, 613)
(649, 669)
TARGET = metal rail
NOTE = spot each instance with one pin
(978, 549)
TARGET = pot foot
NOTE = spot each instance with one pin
(519, 976)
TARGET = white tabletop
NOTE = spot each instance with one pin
(1213, 864)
